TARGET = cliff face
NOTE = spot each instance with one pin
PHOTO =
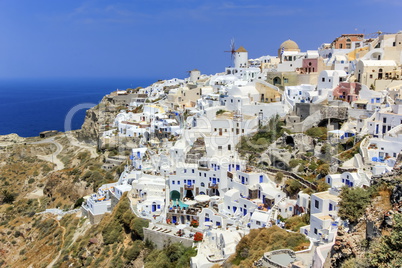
(97, 120)
(356, 247)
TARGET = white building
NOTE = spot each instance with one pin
(323, 218)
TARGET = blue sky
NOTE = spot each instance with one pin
(163, 38)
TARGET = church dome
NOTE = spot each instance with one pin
(289, 45)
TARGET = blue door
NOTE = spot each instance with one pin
(244, 212)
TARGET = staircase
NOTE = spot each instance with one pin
(273, 213)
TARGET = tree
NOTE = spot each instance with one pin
(136, 227)
(292, 187)
(79, 202)
(353, 203)
(278, 177)
(133, 252)
(323, 170)
(8, 197)
(388, 251)
(325, 149)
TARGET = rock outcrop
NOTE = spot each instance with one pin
(97, 120)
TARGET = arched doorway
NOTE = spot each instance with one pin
(277, 81)
(189, 194)
(174, 195)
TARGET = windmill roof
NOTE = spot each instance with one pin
(241, 49)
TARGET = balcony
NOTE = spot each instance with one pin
(203, 168)
(213, 186)
(189, 187)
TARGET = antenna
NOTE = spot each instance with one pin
(374, 35)
(232, 49)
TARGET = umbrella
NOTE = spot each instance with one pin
(190, 202)
(202, 198)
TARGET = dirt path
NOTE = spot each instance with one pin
(50, 265)
(91, 149)
(52, 157)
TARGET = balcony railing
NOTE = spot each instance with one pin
(188, 187)
(213, 185)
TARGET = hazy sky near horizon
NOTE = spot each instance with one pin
(165, 38)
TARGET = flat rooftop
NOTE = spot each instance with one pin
(327, 195)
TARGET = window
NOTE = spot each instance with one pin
(384, 120)
(172, 182)
(178, 182)
(323, 79)
(315, 231)
(258, 222)
(185, 170)
(330, 207)
(316, 204)
(192, 171)
(202, 184)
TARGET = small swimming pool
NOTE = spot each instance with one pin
(179, 203)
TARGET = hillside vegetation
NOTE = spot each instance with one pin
(252, 246)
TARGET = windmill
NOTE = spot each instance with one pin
(232, 49)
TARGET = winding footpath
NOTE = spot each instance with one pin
(51, 157)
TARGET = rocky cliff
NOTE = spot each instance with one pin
(97, 120)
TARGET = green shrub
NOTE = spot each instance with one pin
(136, 227)
(112, 233)
(279, 177)
(132, 252)
(317, 132)
(79, 202)
(353, 203)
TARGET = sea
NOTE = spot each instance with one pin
(30, 106)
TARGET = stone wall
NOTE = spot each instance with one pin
(163, 239)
